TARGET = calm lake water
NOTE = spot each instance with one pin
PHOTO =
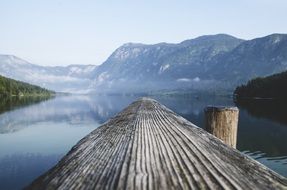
(35, 134)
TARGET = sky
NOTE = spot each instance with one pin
(64, 32)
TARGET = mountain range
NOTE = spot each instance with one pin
(205, 63)
(73, 78)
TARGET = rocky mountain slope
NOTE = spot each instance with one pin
(205, 63)
(139, 67)
(254, 58)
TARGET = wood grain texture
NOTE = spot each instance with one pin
(147, 146)
(222, 122)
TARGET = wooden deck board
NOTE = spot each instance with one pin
(147, 146)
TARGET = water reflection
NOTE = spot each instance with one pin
(191, 107)
(39, 134)
(71, 109)
(33, 137)
(279, 163)
(14, 169)
(273, 109)
(10, 103)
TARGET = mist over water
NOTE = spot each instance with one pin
(35, 136)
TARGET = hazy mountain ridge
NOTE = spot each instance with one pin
(253, 58)
(208, 63)
(72, 78)
(138, 67)
(190, 61)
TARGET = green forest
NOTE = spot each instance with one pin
(274, 86)
(10, 87)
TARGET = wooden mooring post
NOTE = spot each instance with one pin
(222, 122)
(148, 146)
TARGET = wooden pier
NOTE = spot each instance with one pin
(148, 146)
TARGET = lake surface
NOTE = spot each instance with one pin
(35, 134)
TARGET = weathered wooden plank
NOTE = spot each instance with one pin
(147, 146)
(222, 122)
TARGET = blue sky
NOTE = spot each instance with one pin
(63, 32)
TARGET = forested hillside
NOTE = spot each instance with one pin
(10, 87)
(274, 86)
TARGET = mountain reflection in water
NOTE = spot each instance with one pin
(40, 134)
